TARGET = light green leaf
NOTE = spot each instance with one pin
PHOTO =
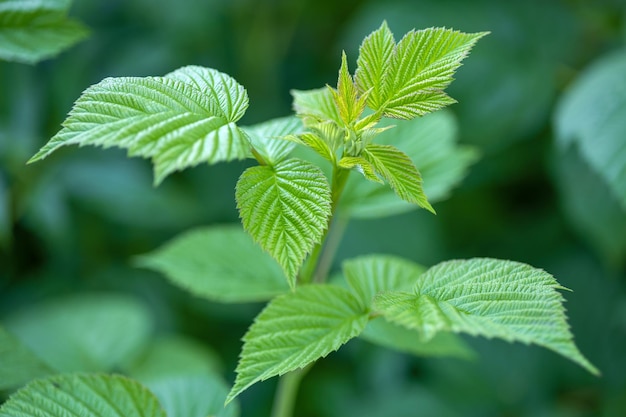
(269, 138)
(83, 395)
(361, 165)
(18, 364)
(316, 143)
(486, 297)
(430, 142)
(383, 333)
(95, 332)
(315, 106)
(398, 169)
(32, 30)
(179, 121)
(203, 262)
(407, 80)
(349, 106)
(296, 329)
(285, 209)
(592, 114)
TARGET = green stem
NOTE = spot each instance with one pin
(285, 398)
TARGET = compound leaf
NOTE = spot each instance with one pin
(486, 297)
(268, 138)
(407, 79)
(180, 120)
(85, 396)
(203, 262)
(285, 209)
(398, 169)
(34, 30)
(296, 329)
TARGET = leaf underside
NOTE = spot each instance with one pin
(178, 121)
(285, 209)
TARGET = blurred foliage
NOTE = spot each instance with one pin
(72, 223)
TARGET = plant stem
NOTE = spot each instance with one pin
(285, 398)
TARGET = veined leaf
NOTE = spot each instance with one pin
(203, 262)
(87, 332)
(362, 165)
(349, 106)
(32, 30)
(315, 106)
(296, 329)
(18, 364)
(285, 209)
(269, 138)
(398, 169)
(180, 120)
(316, 143)
(486, 297)
(83, 395)
(407, 80)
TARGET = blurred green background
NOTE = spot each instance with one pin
(73, 222)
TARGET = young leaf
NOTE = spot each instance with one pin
(398, 169)
(349, 106)
(407, 80)
(317, 144)
(362, 165)
(85, 396)
(34, 30)
(315, 106)
(285, 209)
(269, 138)
(180, 120)
(296, 329)
(202, 262)
(95, 332)
(18, 364)
(486, 297)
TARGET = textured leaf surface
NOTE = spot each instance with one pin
(285, 209)
(178, 121)
(486, 297)
(267, 138)
(33, 30)
(18, 364)
(204, 263)
(296, 329)
(95, 332)
(430, 142)
(407, 79)
(361, 165)
(315, 106)
(592, 114)
(397, 168)
(83, 395)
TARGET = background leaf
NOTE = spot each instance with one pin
(34, 30)
(267, 137)
(296, 329)
(315, 105)
(179, 121)
(203, 262)
(486, 297)
(83, 395)
(18, 364)
(84, 332)
(285, 209)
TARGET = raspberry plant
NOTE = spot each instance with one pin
(339, 156)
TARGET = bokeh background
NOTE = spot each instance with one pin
(72, 223)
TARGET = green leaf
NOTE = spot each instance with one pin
(285, 209)
(348, 105)
(18, 364)
(317, 144)
(34, 30)
(83, 395)
(383, 333)
(179, 121)
(202, 261)
(269, 138)
(315, 106)
(486, 297)
(296, 329)
(398, 169)
(361, 165)
(592, 114)
(430, 142)
(407, 80)
(95, 332)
